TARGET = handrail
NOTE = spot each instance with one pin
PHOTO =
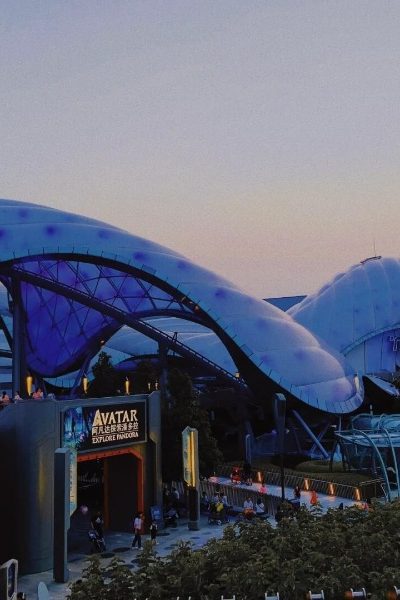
(306, 483)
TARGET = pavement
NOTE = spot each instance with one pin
(119, 543)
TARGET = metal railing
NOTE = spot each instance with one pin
(363, 491)
(237, 495)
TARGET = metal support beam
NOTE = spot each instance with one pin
(309, 432)
(17, 343)
(131, 320)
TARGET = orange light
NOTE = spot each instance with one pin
(331, 489)
(259, 477)
(127, 386)
(29, 382)
(357, 494)
(306, 485)
(85, 384)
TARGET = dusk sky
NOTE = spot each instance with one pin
(261, 139)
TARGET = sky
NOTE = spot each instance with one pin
(261, 139)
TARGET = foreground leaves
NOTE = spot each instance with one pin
(333, 552)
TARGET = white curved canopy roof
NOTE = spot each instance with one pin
(139, 276)
(355, 305)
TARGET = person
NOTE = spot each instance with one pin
(153, 533)
(225, 502)
(248, 508)
(166, 496)
(246, 471)
(260, 507)
(279, 513)
(295, 501)
(98, 524)
(137, 529)
(204, 502)
(170, 516)
(235, 475)
(38, 394)
(214, 498)
(248, 504)
(5, 399)
(314, 498)
(341, 506)
(175, 494)
(17, 396)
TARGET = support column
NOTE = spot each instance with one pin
(162, 352)
(18, 356)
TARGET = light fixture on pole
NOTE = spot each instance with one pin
(149, 386)
(85, 383)
(29, 382)
(127, 386)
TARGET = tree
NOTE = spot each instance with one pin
(106, 380)
(182, 410)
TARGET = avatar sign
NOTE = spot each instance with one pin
(94, 427)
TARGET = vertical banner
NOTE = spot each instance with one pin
(73, 481)
(190, 457)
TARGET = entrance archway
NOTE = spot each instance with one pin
(122, 481)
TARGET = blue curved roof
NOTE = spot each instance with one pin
(132, 275)
(355, 306)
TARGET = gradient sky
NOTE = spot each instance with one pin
(259, 138)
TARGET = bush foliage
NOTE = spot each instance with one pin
(342, 549)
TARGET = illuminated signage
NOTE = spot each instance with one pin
(190, 456)
(95, 427)
(73, 481)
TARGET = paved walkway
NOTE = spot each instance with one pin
(120, 543)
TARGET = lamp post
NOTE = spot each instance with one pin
(280, 418)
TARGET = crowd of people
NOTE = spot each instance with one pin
(6, 400)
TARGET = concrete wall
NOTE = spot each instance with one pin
(30, 432)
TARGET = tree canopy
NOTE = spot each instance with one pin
(181, 410)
